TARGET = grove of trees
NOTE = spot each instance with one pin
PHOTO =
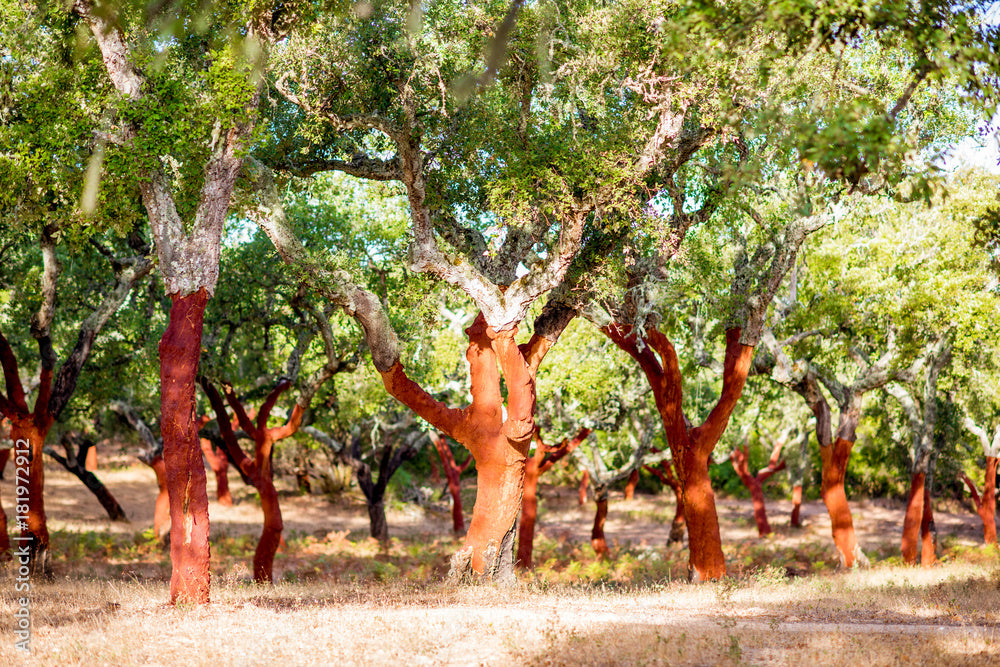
(611, 236)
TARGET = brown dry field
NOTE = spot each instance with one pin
(343, 600)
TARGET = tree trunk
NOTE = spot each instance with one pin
(35, 532)
(180, 349)
(928, 534)
(834, 459)
(378, 526)
(529, 511)
(270, 536)
(988, 507)
(740, 460)
(678, 527)
(91, 461)
(633, 481)
(913, 519)
(499, 484)
(453, 473)
(161, 512)
(5, 554)
(597, 532)
(706, 560)
(796, 520)
(219, 464)
(582, 495)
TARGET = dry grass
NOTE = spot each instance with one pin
(887, 616)
(343, 599)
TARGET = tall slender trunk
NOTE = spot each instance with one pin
(529, 510)
(835, 459)
(180, 349)
(755, 483)
(913, 519)
(597, 539)
(582, 491)
(270, 535)
(453, 473)
(219, 464)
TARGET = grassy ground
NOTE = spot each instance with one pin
(343, 599)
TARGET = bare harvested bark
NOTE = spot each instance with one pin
(538, 464)
(928, 534)
(691, 448)
(987, 503)
(913, 519)
(633, 481)
(152, 456)
(189, 266)
(754, 483)
(453, 473)
(180, 350)
(219, 464)
(258, 469)
(584, 482)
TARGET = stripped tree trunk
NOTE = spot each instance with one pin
(258, 469)
(987, 503)
(633, 481)
(691, 447)
(582, 490)
(541, 462)
(453, 473)
(798, 477)
(755, 483)
(219, 463)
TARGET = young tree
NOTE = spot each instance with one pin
(740, 458)
(453, 474)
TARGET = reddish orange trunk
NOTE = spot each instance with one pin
(270, 536)
(666, 475)
(691, 448)
(219, 464)
(453, 473)
(987, 504)
(796, 520)
(633, 481)
(161, 511)
(499, 443)
(584, 482)
(35, 531)
(834, 459)
(499, 483)
(180, 349)
(678, 527)
(706, 560)
(987, 509)
(91, 462)
(542, 461)
(597, 532)
(755, 483)
(529, 511)
(913, 518)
